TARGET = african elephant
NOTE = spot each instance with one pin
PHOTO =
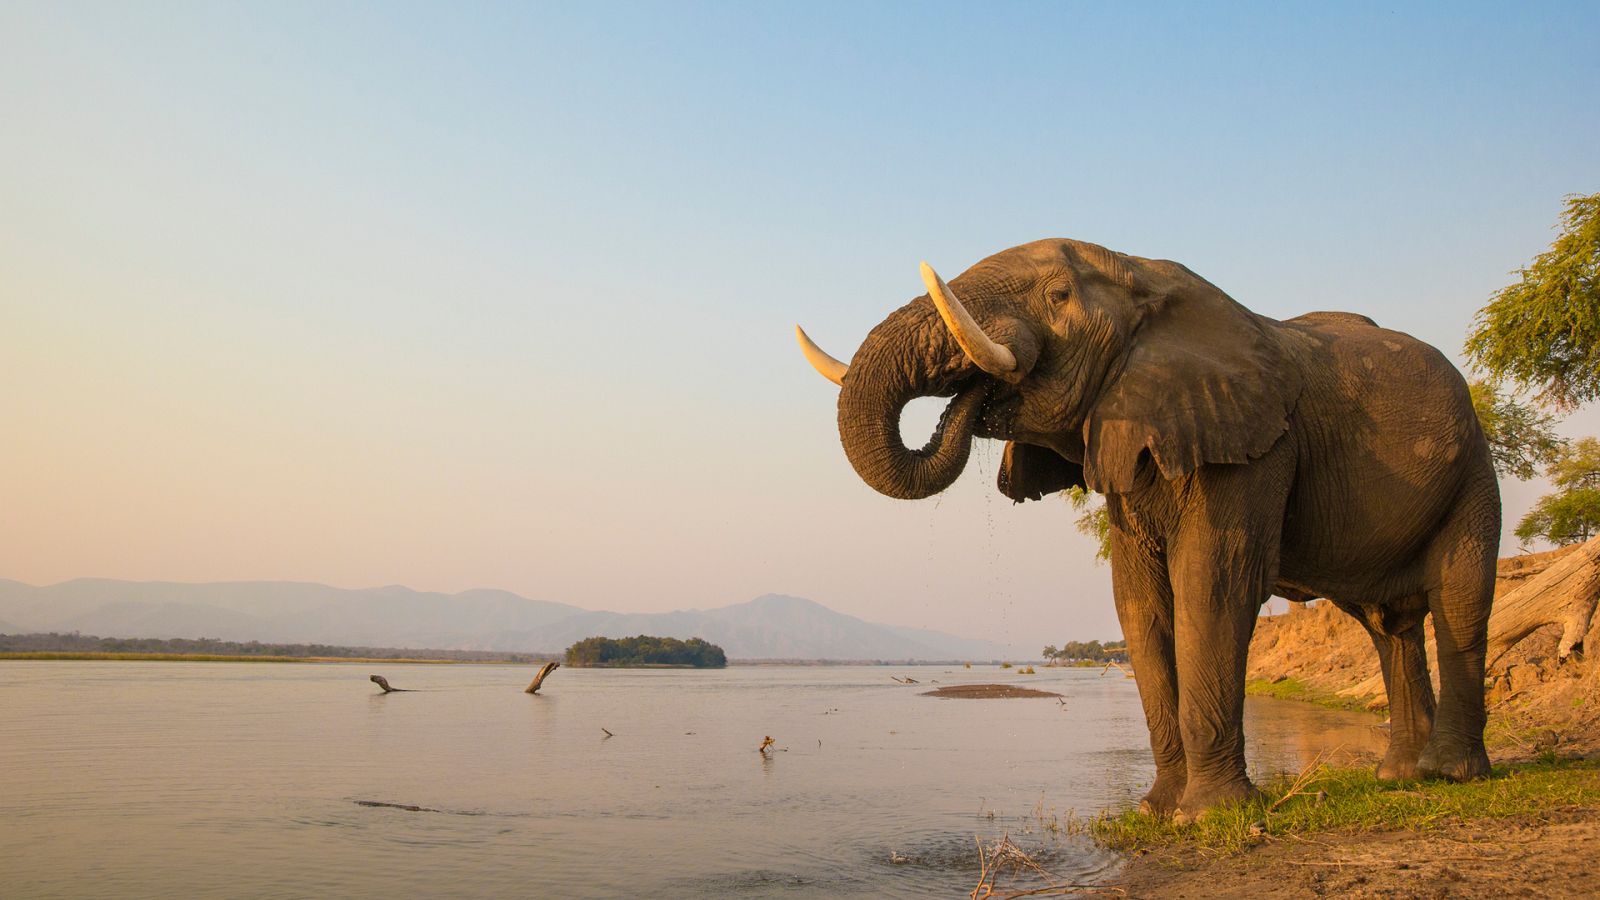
(1240, 456)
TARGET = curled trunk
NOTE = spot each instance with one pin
(909, 355)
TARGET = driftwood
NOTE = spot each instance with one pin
(533, 688)
(405, 806)
(383, 682)
(1564, 594)
(1126, 672)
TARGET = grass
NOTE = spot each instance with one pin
(1341, 799)
(1295, 689)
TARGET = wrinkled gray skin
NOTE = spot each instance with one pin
(1240, 457)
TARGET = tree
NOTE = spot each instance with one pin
(1543, 333)
(645, 650)
(1522, 439)
(1572, 513)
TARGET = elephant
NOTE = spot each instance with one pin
(1239, 456)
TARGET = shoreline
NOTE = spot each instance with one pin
(88, 656)
(120, 656)
(1527, 830)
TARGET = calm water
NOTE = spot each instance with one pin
(217, 779)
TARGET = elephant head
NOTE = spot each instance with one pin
(1091, 363)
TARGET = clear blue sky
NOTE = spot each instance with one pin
(501, 295)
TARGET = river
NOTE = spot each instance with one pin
(145, 779)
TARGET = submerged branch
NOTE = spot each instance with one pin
(383, 682)
(545, 670)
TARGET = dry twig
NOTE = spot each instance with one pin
(992, 860)
(1126, 673)
(1303, 780)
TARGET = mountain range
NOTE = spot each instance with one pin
(772, 626)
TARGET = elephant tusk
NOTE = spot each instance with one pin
(989, 355)
(830, 368)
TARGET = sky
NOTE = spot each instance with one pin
(502, 295)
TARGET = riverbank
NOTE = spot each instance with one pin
(1536, 699)
(1527, 831)
(1340, 831)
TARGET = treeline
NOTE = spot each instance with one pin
(1090, 651)
(646, 650)
(53, 642)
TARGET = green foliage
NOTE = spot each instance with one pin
(1571, 514)
(1355, 798)
(1543, 333)
(1092, 651)
(1522, 438)
(1092, 518)
(646, 650)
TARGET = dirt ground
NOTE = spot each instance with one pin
(1551, 856)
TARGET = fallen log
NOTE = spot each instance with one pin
(544, 671)
(383, 682)
(1564, 594)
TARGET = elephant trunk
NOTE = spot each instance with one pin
(911, 354)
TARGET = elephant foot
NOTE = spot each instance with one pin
(1162, 801)
(1201, 799)
(1399, 764)
(1457, 760)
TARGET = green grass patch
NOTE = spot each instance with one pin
(1295, 689)
(1354, 799)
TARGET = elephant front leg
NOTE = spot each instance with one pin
(1222, 562)
(1214, 625)
(1144, 609)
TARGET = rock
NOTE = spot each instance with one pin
(1522, 677)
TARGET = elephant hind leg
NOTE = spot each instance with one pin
(1464, 558)
(1397, 635)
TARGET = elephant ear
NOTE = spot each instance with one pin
(1028, 472)
(1206, 381)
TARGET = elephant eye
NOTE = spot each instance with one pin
(1060, 294)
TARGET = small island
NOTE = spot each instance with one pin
(646, 651)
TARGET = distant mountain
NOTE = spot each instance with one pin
(274, 612)
(769, 627)
(772, 626)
